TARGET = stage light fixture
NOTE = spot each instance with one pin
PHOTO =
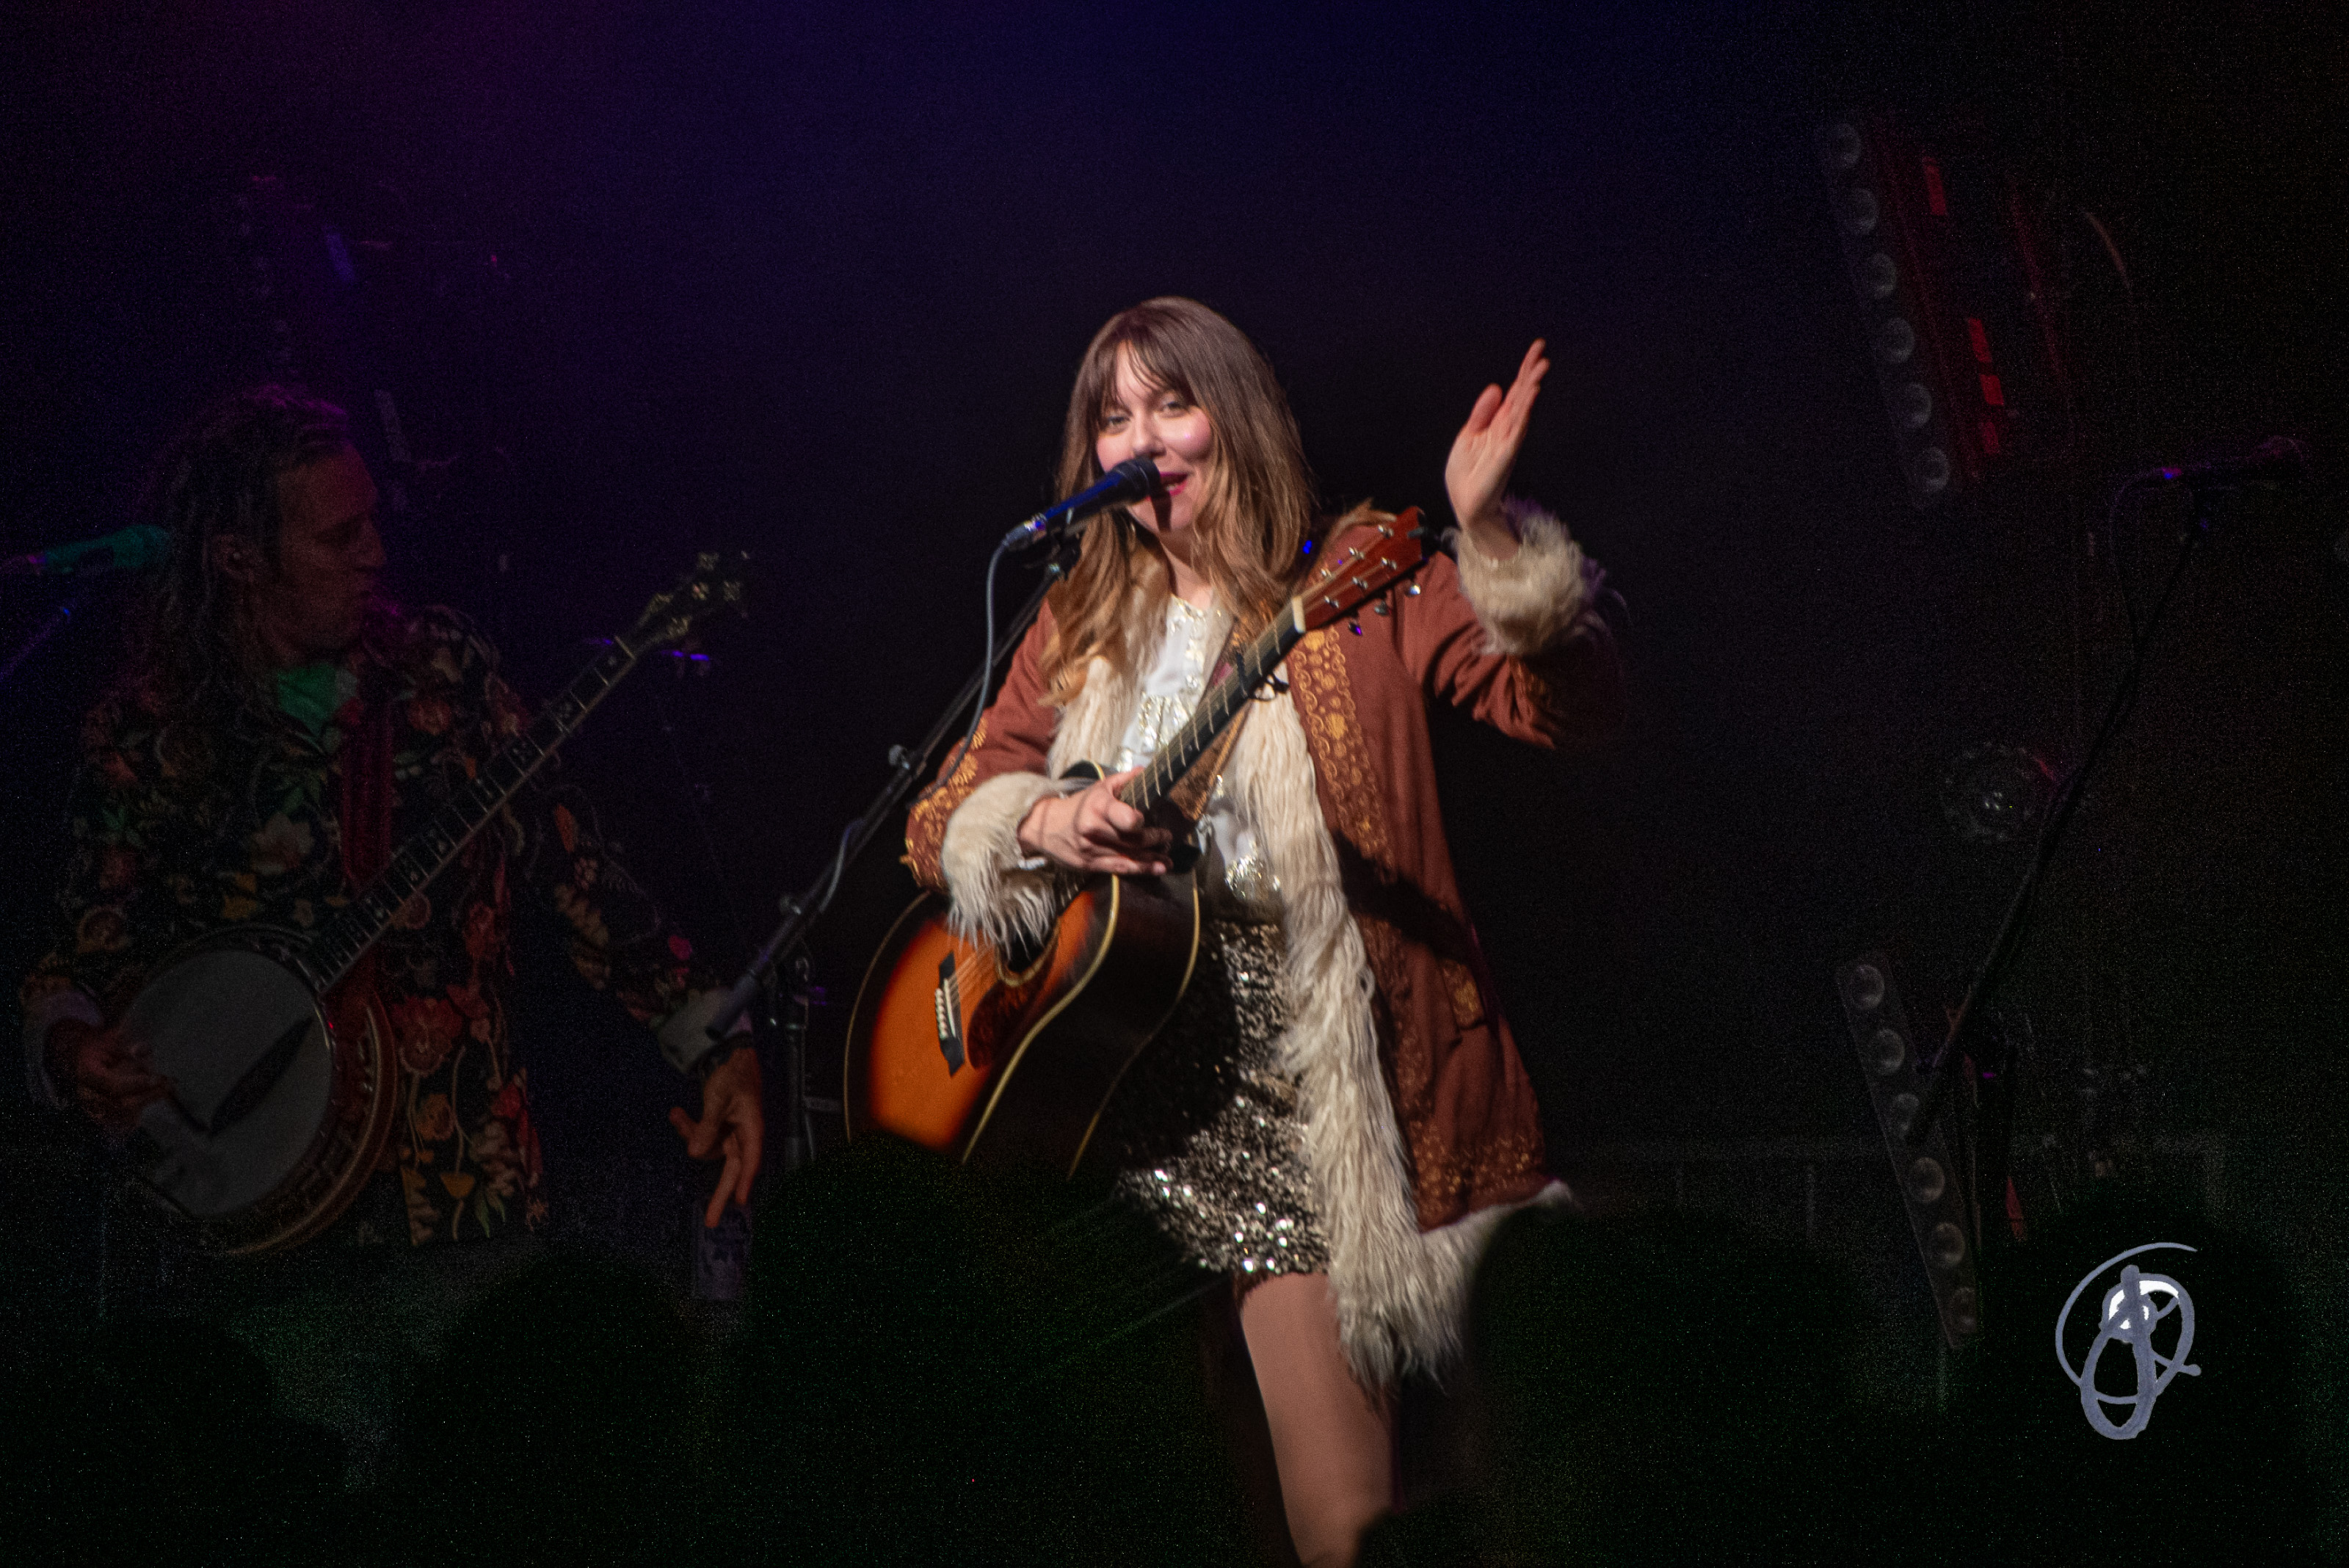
(1993, 794)
(1891, 1051)
(1926, 1180)
(1857, 194)
(1931, 1185)
(1896, 340)
(1931, 470)
(1912, 403)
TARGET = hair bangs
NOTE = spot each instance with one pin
(1257, 509)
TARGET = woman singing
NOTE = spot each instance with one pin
(1336, 1113)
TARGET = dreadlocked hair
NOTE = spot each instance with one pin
(1256, 511)
(190, 635)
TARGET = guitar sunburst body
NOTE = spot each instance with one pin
(1014, 1066)
(1012, 1057)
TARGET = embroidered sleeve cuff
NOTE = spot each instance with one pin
(1537, 599)
(39, 1017)
(996, 890)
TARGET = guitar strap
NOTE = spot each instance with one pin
(1189, 796)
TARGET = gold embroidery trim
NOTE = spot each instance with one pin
(1467, 996)
(1451, 1178)
(926, 824)
(1324, 697)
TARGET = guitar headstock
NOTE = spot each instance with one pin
(1369, 564)
(714, 583)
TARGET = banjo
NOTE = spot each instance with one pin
(285, 1080)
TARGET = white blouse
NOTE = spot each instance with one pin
(1229, 861)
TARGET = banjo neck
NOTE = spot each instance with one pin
(330, 954)
(712, 584)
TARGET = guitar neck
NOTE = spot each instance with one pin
(1250, 669)
(339, 944)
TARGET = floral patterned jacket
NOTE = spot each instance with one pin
(183, 823)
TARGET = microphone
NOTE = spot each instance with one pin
(2277, 460)
(1129, 481)
(131, 549)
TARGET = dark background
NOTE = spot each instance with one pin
(813, 280)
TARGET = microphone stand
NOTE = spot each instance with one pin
(1944, 1075)
(909, 766)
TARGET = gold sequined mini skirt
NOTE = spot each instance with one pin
(1205, 1131)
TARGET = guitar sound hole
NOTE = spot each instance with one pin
(1017, 956)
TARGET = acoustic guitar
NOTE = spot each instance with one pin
(1011, 1056)
(286, 1079)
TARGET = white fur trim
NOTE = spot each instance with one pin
(1537, 597)
(1400, 1292)
(1092, 725)
(991, 896)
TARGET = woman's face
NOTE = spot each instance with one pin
(1146, 421)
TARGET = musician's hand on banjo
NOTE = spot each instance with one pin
(733, 1124)
(110, 1077)
(1092, 830)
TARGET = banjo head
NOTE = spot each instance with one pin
(263, 1141)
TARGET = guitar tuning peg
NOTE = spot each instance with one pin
(1355, 626)
(1378, 606)
(1410, 590)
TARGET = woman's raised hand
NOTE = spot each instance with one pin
(1092, 830)
(1477, 473)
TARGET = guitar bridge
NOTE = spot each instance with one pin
(946, 1001)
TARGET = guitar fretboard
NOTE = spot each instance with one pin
(1251, 668)
(337, 946)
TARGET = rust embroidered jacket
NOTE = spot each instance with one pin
(1515, 644)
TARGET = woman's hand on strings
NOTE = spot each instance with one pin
(1477, 473)
(1092, 830)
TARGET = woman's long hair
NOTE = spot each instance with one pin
(191, 636)
(1256, 511)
